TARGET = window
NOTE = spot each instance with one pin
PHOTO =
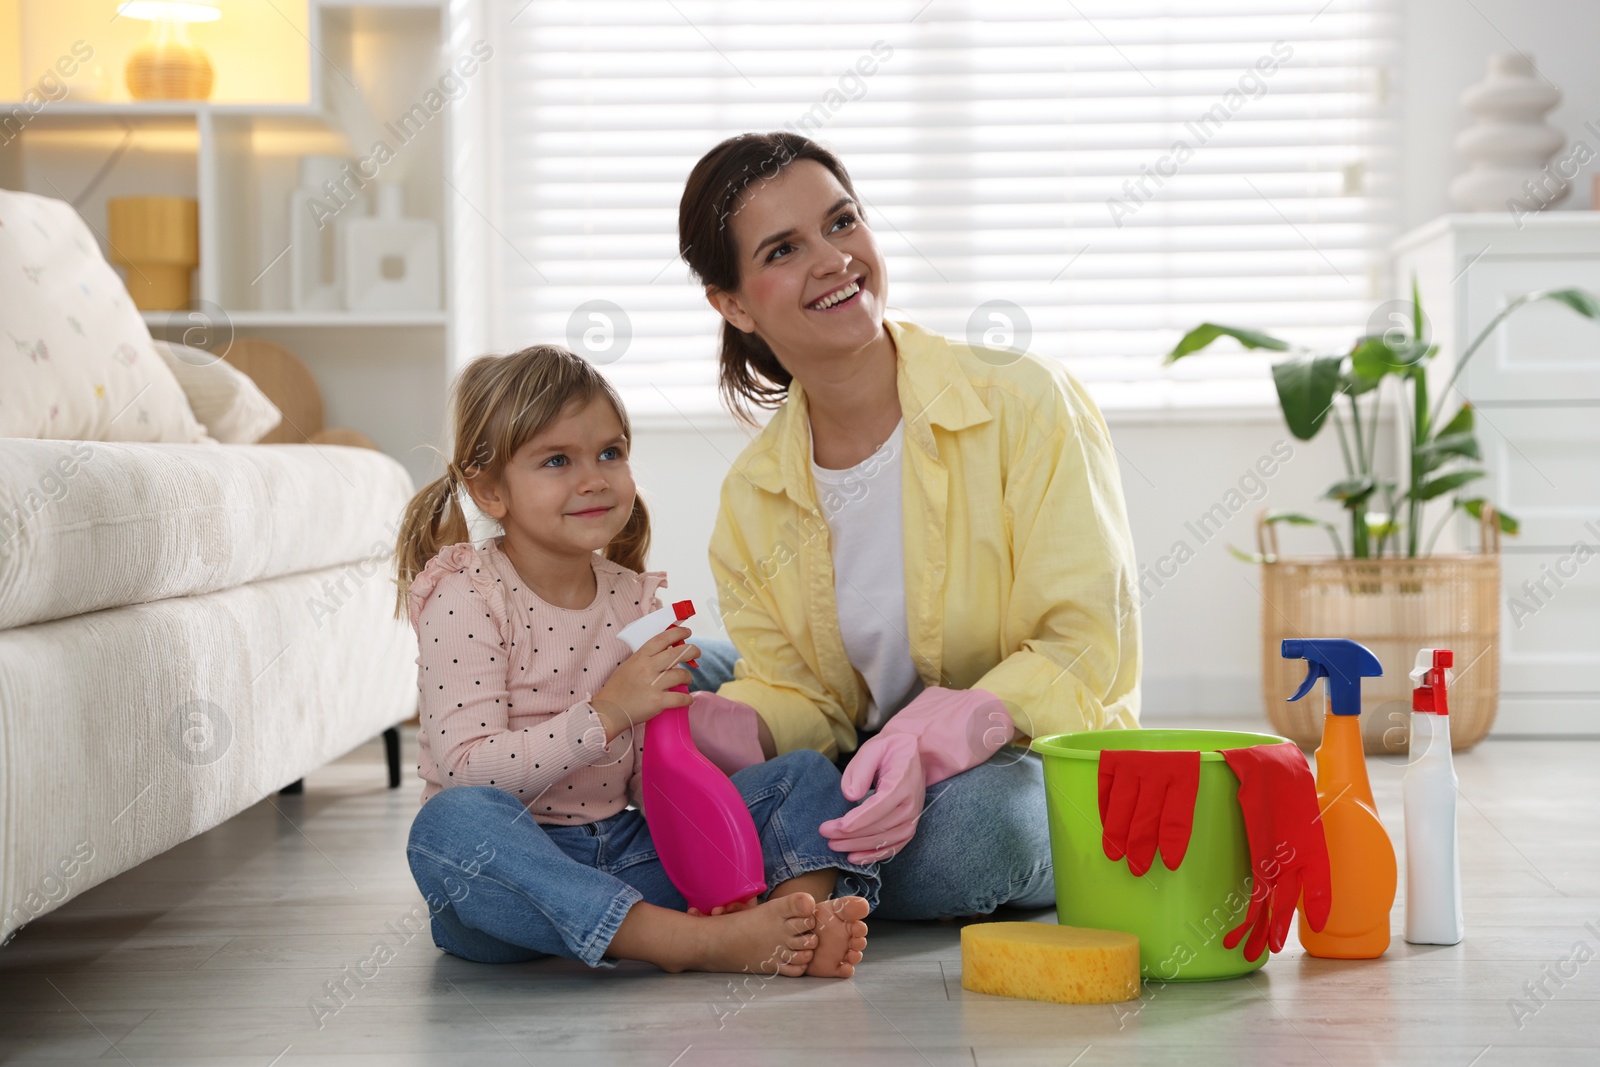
(1118, 171)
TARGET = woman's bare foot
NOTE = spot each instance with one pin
(841, 937)
(778, 937)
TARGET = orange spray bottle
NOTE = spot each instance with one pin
(1360, 854)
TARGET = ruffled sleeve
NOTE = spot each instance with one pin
(464, 558)
(650, 584)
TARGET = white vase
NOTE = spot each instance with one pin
(391, 263)
(1510, 143)
(316, 265)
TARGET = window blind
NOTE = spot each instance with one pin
(1118, 171)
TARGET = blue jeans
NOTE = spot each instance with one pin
(502, 888)
(983, 840)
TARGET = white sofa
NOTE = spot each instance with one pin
(185, 628)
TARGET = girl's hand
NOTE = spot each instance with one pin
(728, 909)
(641, 688)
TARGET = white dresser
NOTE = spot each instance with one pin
(1536, 385)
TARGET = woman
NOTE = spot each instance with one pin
(923, 559)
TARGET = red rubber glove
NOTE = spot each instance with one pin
(1146, 799)
(1288, 850)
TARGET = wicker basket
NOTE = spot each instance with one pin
(1394, 607)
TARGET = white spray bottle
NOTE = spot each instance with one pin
(1433, 860)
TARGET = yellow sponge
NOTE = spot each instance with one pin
(1043, 961)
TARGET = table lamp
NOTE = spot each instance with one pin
(167, 66)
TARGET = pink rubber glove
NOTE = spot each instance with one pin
(725, 732)
(889, 765)
(941, 733)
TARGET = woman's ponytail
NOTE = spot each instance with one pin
(748, 373)
(433, 520)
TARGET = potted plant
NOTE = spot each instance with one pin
(1386, 588)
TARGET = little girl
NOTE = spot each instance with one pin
(533, 712)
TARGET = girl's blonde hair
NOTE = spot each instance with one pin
(498, 404)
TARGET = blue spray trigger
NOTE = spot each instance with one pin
(1343, 662)
(1316, 671)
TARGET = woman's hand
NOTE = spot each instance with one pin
(726, 732)
(941, 733)
(891, 767)
(642, 686)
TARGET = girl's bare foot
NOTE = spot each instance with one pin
(841, 937)
(778, 937)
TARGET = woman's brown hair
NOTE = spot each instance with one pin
(748, 373)
(497, 405)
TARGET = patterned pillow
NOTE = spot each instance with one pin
(75, 355)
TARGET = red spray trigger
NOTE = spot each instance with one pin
(1431, 694)
(683, 609)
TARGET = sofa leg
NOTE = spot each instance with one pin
(391, 749)
(294, 788)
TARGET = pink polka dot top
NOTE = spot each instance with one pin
(504, 682)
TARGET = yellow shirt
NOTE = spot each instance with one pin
(1019, 567)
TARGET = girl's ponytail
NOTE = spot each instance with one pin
(632, 544)
(433, 520)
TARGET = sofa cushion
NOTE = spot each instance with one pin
(231, 406)
(77, 361)
(92, 525)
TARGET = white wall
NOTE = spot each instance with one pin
(1446, 46)
(1202, 626)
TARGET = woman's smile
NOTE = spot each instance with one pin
(845, 295)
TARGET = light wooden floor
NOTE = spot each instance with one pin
(214, 952)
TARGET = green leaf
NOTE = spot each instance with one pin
(1373, 357)
(1248, 557)
(1445, 445)
(1203, 334)
(1474, 507)
(1417, 320)
(1578, 300)
(1356, 385)
(1293, 518)
(1462, 422)
(1446, 482)
(1306, 388)
(1370, 358)
(1351, 491)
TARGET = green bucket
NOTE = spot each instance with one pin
(1181, 916)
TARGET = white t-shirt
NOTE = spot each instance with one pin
(862, 506)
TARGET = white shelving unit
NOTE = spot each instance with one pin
(385, 374)
(1536, 387)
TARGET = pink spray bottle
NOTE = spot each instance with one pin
(702, 830)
